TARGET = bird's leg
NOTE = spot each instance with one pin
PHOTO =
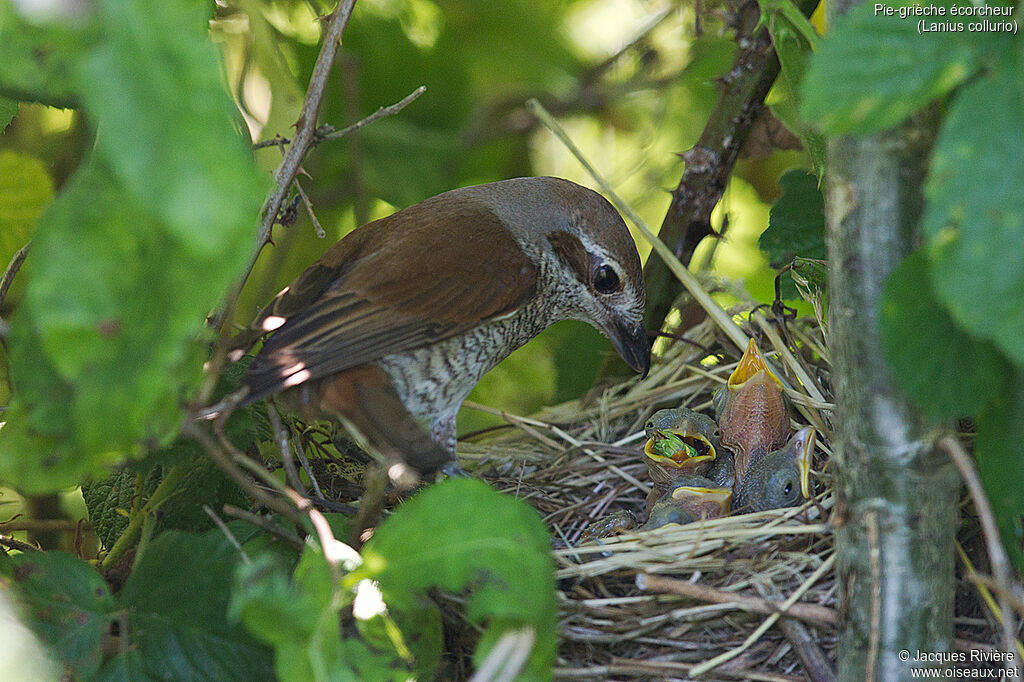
(442, 432)
(371, 505)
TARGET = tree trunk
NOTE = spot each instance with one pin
(896, 517)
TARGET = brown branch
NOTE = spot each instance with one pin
(710, 162)
(285, 174)
(306, 125)
(12, 270)
(816, 665)
(11, 543)
(40, 525)
(327, 132)
(303, 140)
(225, 460)
(812, 613)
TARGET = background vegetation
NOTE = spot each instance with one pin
(125, 160)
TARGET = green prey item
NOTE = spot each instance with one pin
(668, 444)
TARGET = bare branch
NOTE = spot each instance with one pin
(305, 129)
(12, 270)
(375, 116)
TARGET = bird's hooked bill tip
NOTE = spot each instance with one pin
(630, 341)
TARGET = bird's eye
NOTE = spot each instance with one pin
(605, 280)
(649, 425)
(788, 489)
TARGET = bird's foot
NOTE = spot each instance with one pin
(451, 469)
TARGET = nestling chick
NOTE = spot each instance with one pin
(690, 498)
(680, 442)
(751, 411)
(781, 478)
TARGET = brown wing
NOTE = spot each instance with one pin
(424, 274)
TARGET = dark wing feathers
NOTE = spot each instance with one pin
(392, 286)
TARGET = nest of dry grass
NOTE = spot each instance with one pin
(701, 599)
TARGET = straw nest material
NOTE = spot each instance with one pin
(699, 599)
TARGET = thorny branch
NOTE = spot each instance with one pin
(326, 133)
(710, 161)
(306, 126)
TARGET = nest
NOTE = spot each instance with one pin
(699, 599)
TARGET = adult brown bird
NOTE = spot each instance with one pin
(753, 417)
(395, 324)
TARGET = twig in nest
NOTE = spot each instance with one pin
(816, 665)
(508, 656)
(1001, 571)
(812, 613)
(768, 622)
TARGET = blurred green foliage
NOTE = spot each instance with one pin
(630, 114)
(173, 624)
(141, 200)
(950, 314)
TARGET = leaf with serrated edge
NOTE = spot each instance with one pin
(872, 72)
(65, 602)
(177, 603)
(462, 534)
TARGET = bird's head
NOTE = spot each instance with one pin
(781, 478)
(691, 498)
(751, 374)
(593, 260)
(679, 441)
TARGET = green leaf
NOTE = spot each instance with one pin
(299, 616)
(66, 602)
(796, 228)
(37, 61)
(796, 223)
(945, 370)
(176, 602)
(144, 242)
(8, 110)
(154, 83)
(109, 502)
(783, 102)
(461, 534)
(872, 72)
(974, 217)
(999, 449)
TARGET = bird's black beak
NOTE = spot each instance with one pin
(631, 343)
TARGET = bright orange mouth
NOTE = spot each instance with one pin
(751, 364)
